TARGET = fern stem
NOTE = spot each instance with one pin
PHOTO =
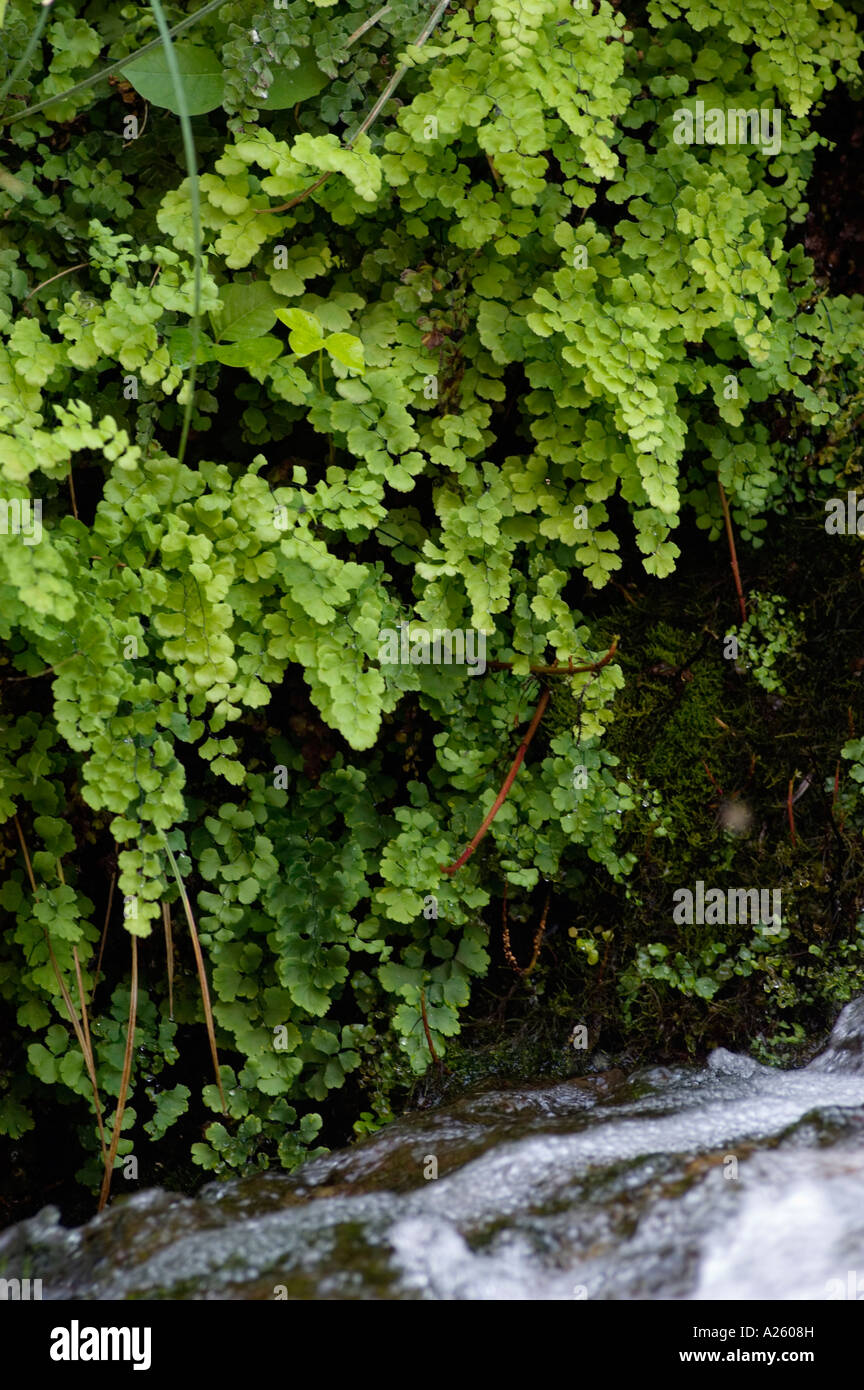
(124, 1080)
(730, 536)
(202, 973)
(426, 1025)
(558, 669)
(508, 782)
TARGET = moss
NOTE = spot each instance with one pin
(695, 727)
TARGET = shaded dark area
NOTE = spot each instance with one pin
(834, 229)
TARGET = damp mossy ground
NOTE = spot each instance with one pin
(694, 725)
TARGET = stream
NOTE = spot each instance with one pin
(731, 1181)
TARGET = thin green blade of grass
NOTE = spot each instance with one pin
(195, 206)
(133, 57)
(30, 49)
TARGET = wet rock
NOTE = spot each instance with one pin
(845, 1050)
(732, 1180)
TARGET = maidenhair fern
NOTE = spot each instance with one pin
(451, 356)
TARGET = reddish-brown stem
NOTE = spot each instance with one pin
(124, 1080)
(47, 672)
(50, 281)
(300, 197)
(83, 1042)
(508, 782)
(426, 1025)
(558, 669)
(622, 591)
(567, 670)
(791, 811)
(202, 973)
(711, 778)
(732, 555)
(88, 1053)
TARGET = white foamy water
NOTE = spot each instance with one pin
(731, 1181)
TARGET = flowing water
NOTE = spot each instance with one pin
(727, 1181)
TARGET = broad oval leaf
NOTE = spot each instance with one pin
(179, 342)
(248, 311)
(346, 349)
(251, 352)
(291, 85)
(200, 74)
